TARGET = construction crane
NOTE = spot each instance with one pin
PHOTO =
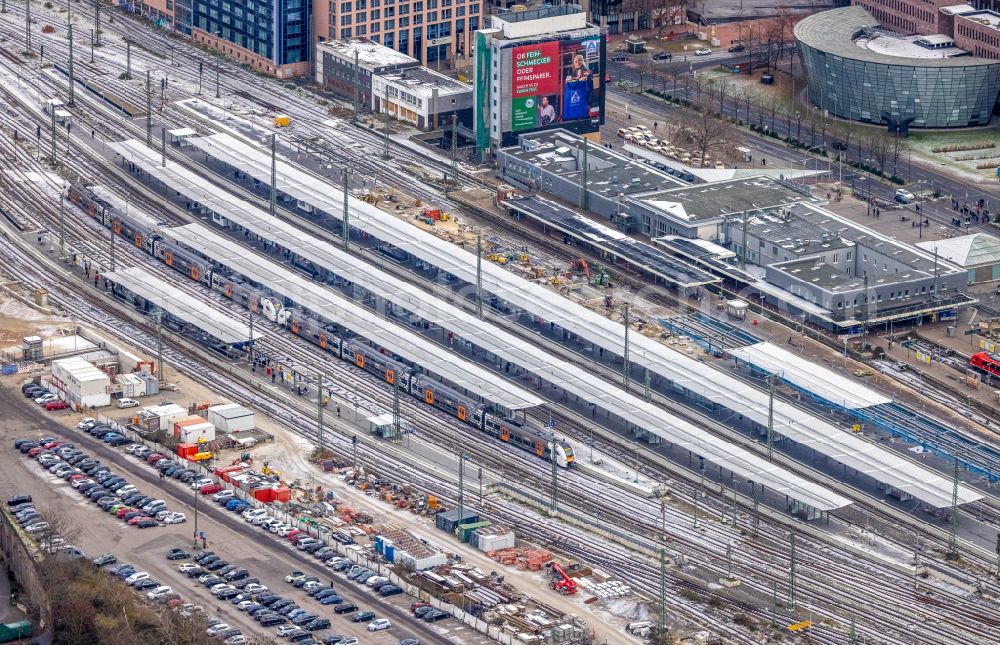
(560, 580)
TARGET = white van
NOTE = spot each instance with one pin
(254, 514)
(127, 403)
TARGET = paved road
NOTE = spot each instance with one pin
(925, 176)
(265, 556)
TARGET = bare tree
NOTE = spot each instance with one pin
(61, 530)
(897, 146)
(879, 145)
(745, 95)
(706, 133)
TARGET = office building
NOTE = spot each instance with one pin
(438, 33)
(538, 69)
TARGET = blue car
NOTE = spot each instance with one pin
(332, 599)
(234, 504)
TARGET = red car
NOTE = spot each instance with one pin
(52, 445)
(135, 520)
(56, 405)
(34, 451)
(293, 534)
(155, 457)
(123, 511)
(73, 478)
(209, 489)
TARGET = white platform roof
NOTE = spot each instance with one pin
(501, 343)
(812, 377)
(712, 384)
(179, 305)
(336, 308)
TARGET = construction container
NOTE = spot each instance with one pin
(186, 449)
(282, 494)
(492, 538)
(199, 432)
(390, 553)
(230, 417)
(379, 544)
(263, 494)
(449, 520)
(465, 530)
(161, 417)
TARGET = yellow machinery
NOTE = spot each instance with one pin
(282, 121)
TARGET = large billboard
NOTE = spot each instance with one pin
(556, 82)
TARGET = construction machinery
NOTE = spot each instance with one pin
(580, 265)
(560, 580)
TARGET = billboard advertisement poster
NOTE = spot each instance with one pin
(555, 82)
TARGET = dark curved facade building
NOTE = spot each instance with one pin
(860, 73)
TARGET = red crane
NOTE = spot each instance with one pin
(560, 580)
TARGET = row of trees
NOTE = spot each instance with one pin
(746, 104)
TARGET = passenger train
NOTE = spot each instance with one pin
(987, 361)
(144, 233)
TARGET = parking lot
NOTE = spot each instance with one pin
(265, 556)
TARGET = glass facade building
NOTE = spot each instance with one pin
(855, 83)
(276, 30)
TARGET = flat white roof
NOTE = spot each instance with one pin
(179, 304)
(811, 377)
(908, 47)
(712, 384)
(369, 53)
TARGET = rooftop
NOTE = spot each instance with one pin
(966, 251)
(609, 173)
(836, 31)
(712, 201)
(932, 46)
(830, 278)
(369, 54)
(806, 228)
(985, 17)
(536, 13)
(425, 81)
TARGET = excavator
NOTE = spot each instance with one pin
(560, 580)
(580, 265)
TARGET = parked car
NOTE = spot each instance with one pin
(737, 48)
(56, 405)
(378, 624)
(177, 554)
(210, 489)
(127, 403)
(345, 608)
(390, 590)
(331, 599)
(104, 559)
(223, 495)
